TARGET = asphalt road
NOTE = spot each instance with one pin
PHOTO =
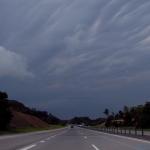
(71, 139)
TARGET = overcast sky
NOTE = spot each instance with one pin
(75, 57)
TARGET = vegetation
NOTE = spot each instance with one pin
(28, 129)
(31, 129)
(5, 113)
(86, 121)
(138, 117)
(43, 115)
(7, 107)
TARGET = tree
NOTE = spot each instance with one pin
(106, 112)
(145, 118)
(127, 116)
(126, 109)
(120, 114)
(3, 95)
(5, 114)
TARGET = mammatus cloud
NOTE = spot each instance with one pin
(80, 49)
(13, 65)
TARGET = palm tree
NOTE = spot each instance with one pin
(106, 112)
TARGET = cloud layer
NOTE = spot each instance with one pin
(13, 64)
(77, 50)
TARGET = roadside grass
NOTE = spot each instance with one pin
(102, 125)
(29, 129)
(147, 130)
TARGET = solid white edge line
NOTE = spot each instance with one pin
(129, 138)
(95, 147)
(28, 147)
(124, 137)
(31, 133)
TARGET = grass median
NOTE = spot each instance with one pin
(29, 129)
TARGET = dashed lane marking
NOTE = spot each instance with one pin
(28, 147)
(95, 147)
(42, 141)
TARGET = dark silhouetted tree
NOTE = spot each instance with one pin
(5, 114)
(106, 112)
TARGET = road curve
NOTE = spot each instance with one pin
(71, 139)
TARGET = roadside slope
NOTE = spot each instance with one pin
(22, 120)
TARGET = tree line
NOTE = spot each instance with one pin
(137, 116)
(87, 121)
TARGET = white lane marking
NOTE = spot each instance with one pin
(85, 137)
(42, 141)
(58, 134)
(48, 138)
(32, 133)
(95, 147)
(129, 138)
(29, 147)
(123, 137)
(54, 136)
(116, 141)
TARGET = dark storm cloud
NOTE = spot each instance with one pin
(76, 52)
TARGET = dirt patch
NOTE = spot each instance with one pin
(22, 120)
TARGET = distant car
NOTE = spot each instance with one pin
(71, 126)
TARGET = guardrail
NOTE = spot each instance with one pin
(121, 131)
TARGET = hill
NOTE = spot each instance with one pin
(22, 120)
(24, 116)
(14, 114)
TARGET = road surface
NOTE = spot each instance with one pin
(71, 139)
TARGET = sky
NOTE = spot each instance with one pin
(75, 57)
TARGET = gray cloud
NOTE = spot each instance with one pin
(79, 49)
(13, 65)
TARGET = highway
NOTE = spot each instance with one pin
(71, 139)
